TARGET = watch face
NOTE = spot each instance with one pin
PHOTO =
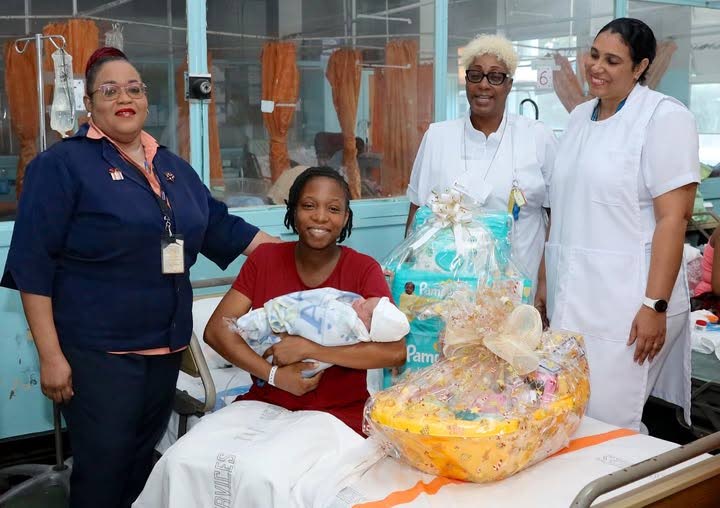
(661, 305)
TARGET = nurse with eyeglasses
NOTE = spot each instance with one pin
(109, 224)
(501, 160)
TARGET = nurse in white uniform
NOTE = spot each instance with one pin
(621, 194)
(491, 154)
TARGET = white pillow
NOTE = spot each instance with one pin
(203, 308)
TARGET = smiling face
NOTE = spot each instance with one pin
(609, 68)
(321, 213)
(486, 100)
(121, 119)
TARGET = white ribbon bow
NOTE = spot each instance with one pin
(448, 211)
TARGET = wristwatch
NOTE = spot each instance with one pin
(656, 305)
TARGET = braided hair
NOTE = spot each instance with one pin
(298, 186)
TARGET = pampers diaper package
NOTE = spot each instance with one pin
(451, 241)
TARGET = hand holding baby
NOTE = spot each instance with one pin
(290, 349)
(290, 378)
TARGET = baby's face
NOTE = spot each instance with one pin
(365, 309)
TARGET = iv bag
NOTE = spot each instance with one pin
(62, 111)
(114, 38)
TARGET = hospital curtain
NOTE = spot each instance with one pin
(183, 126)
(280, 84)
(425, 96)
(400, 115)
(343, 73)
(20, 86)
(377, 100)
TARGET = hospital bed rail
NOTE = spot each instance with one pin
(702, 475)
(194, 364)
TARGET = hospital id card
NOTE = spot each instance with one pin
(172, 254)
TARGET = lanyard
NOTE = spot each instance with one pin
(162, 200)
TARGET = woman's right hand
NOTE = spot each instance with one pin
(290, 379)
(56, 379)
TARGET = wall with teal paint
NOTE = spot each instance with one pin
(379, 226)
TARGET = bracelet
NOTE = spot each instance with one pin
(271, 377)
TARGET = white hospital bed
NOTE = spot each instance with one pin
(599, 468)
(604, 466)
(206, 382)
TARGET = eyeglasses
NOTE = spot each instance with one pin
(494, 78)
(111, 91)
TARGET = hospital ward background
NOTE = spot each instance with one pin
(353, 85)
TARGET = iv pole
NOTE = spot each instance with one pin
(38, 38)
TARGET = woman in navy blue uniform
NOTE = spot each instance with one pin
(108, 226)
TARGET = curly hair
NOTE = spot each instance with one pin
(495, 45)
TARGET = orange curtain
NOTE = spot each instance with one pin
(21, 88)
(183, 126)
(425, 97)
(400, 115)
(377, 100)
(280, 84)
(343, 73)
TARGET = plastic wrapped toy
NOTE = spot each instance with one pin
(452, 241)
(480, 417)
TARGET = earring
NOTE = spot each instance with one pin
(89, 114)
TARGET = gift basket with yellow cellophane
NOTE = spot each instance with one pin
(505, 396)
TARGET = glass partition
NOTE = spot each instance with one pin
(539, 29)
(152, 34)
(691, 36)
(346, 84)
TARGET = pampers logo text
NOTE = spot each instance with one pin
(415, 356)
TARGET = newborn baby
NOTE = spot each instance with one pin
(326, 316)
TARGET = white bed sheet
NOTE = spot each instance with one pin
(597, 449)
(229, 383)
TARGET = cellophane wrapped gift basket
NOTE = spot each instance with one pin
(452, 240)
(504, 396)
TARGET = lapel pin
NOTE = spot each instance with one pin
(169, 176)
(116, 174)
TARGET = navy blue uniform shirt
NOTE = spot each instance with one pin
(92, 244)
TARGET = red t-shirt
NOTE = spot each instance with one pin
(269, 272)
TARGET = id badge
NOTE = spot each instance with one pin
(172, 254)
(519, 197)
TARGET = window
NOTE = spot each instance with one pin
(153, 35)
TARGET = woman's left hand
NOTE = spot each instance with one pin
(290, 349)
(648, 334)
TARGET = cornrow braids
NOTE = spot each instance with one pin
(297, 188)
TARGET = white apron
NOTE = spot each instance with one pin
(597, 260)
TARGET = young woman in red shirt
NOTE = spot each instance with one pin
(318, 210)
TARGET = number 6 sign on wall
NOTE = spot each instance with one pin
(544, 78)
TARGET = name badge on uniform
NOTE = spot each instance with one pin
(173, 254)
